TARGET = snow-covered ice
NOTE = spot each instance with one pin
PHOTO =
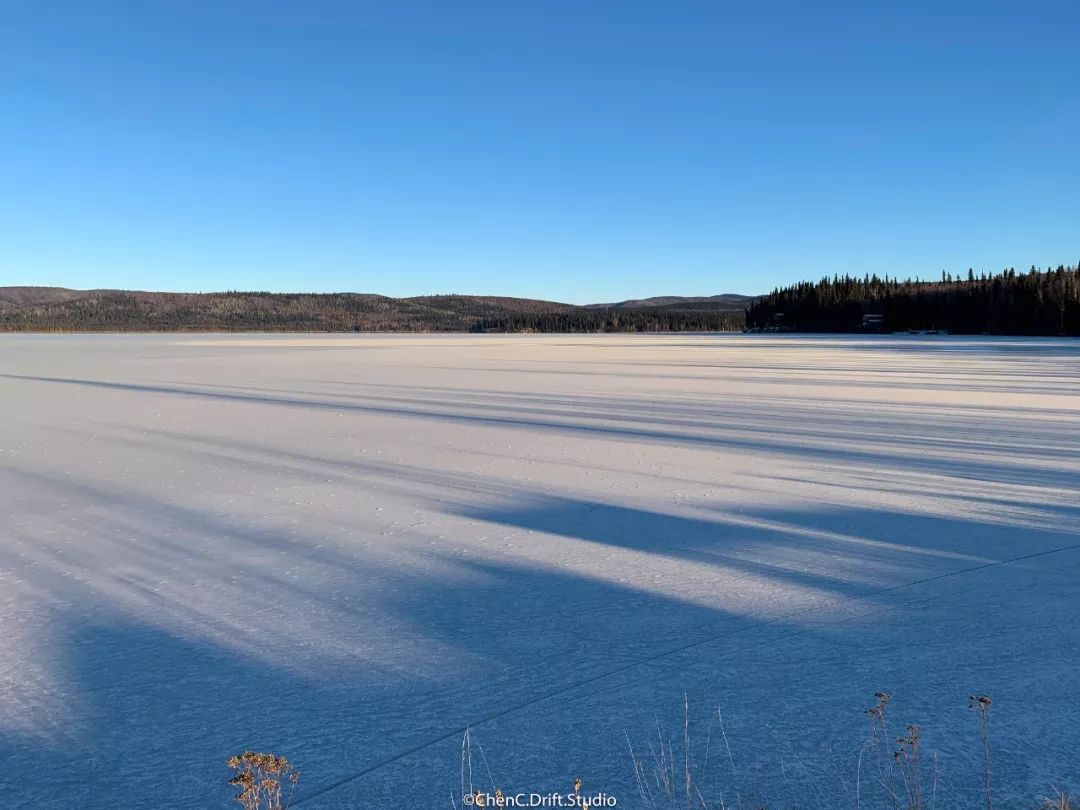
(347, 549)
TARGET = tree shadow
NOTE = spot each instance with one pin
(551, 650)
(749, 429)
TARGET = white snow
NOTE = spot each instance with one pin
(346, 549)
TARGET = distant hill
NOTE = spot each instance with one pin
(29, 296)
(728, 302)
(56, 309)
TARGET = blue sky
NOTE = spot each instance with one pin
(577, 150)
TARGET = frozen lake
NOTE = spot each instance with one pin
(346, 549)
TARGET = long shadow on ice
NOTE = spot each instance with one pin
(768, 437)
(149, 712)
(146, 718)
(551, 657)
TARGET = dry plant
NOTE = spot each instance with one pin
(260, 778)
(980, 704)
(879, 737)
(470, 795)
(666, 781)
(907, 756)
(1059, 801)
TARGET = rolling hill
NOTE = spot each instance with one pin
(57, 309)
(728, 302)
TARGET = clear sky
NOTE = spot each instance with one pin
(578, 150)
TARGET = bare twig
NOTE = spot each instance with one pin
(980, 704)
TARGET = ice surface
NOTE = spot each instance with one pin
(346, 549)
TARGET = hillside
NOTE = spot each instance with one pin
(11, 297)
(54, 309)
(728, 302)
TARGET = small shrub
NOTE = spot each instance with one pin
(260, 778)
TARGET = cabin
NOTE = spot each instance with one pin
(873, 322)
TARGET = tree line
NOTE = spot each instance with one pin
(1038, 302)
(615, 320)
